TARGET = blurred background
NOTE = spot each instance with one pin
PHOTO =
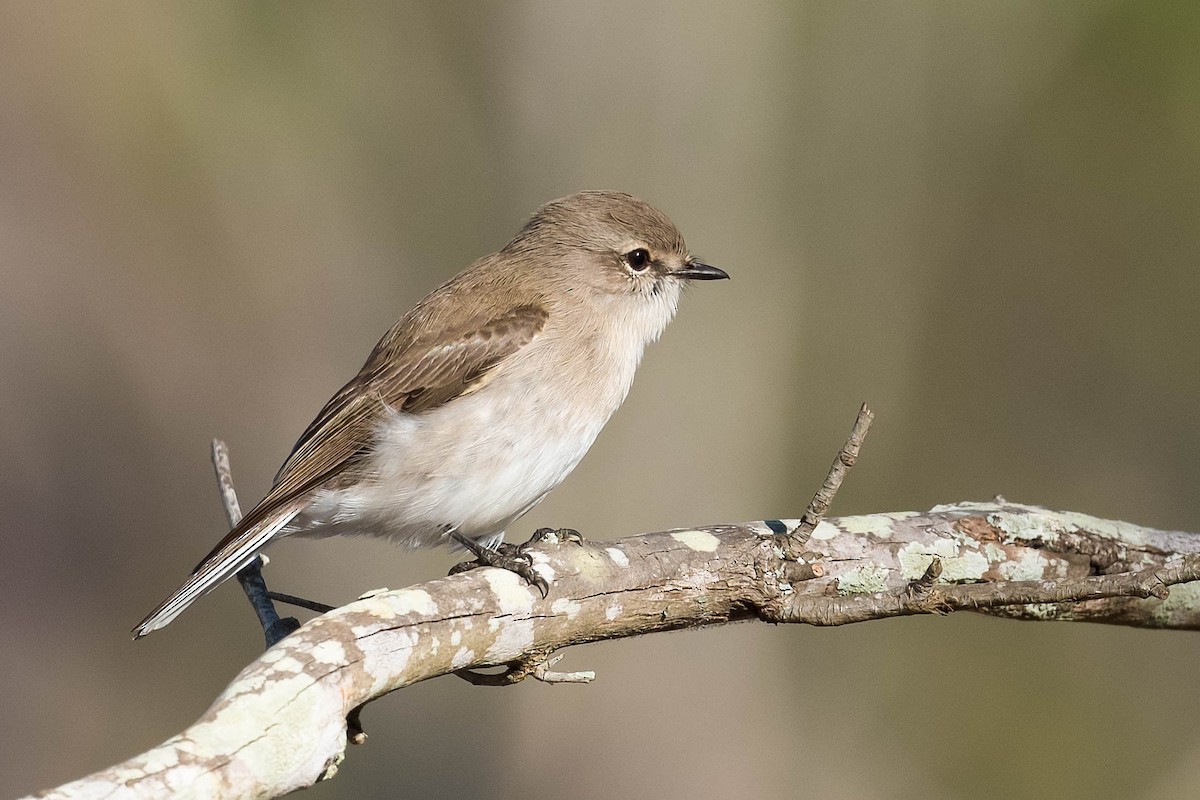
(982, 218)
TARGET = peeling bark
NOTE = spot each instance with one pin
(282, 724)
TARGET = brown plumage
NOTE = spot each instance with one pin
(483, 397)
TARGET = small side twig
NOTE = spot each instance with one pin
(229, 498)
(250, 576)
(921, 586)
(534, 665)
(544, 674)
(792, 544)
(514, 671)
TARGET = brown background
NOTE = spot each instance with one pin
(980, 217)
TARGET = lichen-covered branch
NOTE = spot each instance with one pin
(282, 724)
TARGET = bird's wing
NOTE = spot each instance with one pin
(403, 374)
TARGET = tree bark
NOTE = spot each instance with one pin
(282, 724)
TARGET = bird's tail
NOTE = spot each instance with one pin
(236, 551)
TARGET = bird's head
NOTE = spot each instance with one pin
(610, 243)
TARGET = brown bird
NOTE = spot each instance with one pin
(481, 399)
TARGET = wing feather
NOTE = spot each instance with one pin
(410, 374)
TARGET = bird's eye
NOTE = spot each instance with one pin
(638, 259)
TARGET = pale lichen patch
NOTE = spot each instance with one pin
(858, 525)
(827, 530)
(272, 655)
(702, 541)
(958, 564)
(512, 593)
(361, 631)
(250, 683)
(184, 780)
(160, 759)
(612, 612)
(956, 508)
(867, 578)
(566, 606)
(328, 652)
(515, 601)
(456, 638)
(1125, 532)
(411, 601)
(698, 579)
(542, 566)
(967, 567)
(618, 556)
(228, 727)
(870, 524)
(288, 663)
(1030, 566)
(463, 657)
(1183, 600)
(1035, 524)
(515, 637)
(382, 662)
(915, 557)
(376, 607)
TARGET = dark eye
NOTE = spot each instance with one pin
(638, 259)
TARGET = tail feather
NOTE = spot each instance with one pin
(236, 553)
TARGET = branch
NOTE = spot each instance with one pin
(282, 724)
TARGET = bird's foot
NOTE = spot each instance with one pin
(279, 630)
(275, 628)
(506, 556)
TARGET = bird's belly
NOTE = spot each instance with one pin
(475, 465)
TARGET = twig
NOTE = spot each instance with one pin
(792, 544)
(229, 499)
(544, 674)
(922, 585)
(533, 665)
(250, 576)
(942, 599)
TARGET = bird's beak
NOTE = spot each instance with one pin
(699, 271)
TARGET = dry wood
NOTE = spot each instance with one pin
(285, 721)
(282, 724)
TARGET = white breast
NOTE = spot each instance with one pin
(484, 459)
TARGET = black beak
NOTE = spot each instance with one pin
(699, 271)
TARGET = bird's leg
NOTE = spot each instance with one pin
(506, 556)
(274, 628)
(300, 602)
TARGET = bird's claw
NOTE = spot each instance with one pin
(279, 630)
(506, 556)
(522, 565)
(557, 536)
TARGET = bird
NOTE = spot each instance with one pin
(481, 399)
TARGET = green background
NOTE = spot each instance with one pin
(982, 218)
